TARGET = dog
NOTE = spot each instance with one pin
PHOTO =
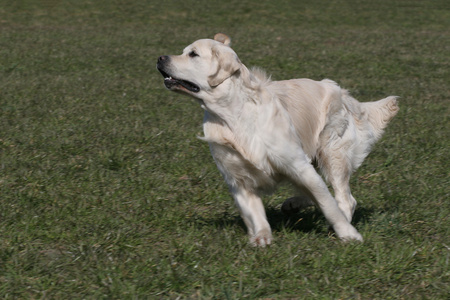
(261, 132)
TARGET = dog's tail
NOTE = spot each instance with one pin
(380, 113)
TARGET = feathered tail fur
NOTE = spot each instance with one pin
(380, 112)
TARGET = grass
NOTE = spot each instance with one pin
(107, 193)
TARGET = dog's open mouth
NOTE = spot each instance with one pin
(172, 83)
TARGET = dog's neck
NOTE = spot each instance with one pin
(229, 102)
(240, 112)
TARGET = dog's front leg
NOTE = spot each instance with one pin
(252, 211)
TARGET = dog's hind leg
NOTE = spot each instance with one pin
(341, 151)
(335, 163)
(339, 179)
(252, 212)
(297, 203)
(306, 177)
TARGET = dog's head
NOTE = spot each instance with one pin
(204, 65)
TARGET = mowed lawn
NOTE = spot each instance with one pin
(107, 193)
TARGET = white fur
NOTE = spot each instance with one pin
(262, 131)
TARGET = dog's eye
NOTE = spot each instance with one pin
(193, 54)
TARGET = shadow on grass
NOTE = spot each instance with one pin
(307, 220)
(310, 219)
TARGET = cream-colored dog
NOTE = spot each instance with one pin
(261, 132)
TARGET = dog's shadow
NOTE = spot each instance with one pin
(309, 219)
(306, 221)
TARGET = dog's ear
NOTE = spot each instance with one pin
(225, 64)
(223, 38)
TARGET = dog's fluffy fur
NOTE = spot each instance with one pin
(262, 131)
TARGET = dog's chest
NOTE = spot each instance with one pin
(264, 140)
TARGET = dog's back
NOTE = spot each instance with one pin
(308, 103)
(322, 108)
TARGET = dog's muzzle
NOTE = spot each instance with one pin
(174, 83)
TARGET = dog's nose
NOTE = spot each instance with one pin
(163, 58)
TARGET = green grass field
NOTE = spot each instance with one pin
(106, 193)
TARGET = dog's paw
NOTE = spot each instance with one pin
(352, 238)
(295, 204)
(348, 234)
(262, 238)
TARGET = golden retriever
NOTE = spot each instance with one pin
(262, 131)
